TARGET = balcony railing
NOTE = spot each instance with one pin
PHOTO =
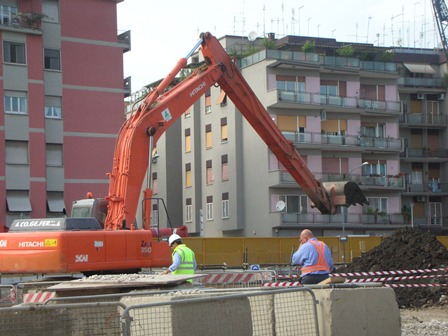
(364, 219)
(424, 153)
(29, 20)
(423, 119)
(337, 101)
(336, 61)
(338, 219)
(370, 180)
(125, 39)
(427, 187)
(345, 140)
(422, 82)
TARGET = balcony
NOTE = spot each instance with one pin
(422, 82)
(425, 153)
(125, 40)
(429, 188)
(337, 101)
(379, 143)
(351, 220)
(25, 22)
(344, 141)
(371, 181)
(420, 119)
(349, 63)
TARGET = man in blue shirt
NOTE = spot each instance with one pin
(315, 258)
(184, 261)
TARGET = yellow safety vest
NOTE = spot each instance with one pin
(187, 260)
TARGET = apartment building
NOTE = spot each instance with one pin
(373, 115)
(63, 88)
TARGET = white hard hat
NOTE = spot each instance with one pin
(173, 238)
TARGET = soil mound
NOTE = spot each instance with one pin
(408, 249)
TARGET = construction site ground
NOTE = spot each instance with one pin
(423, 310)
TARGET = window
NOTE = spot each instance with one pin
(294, 203)
(224, 131)
(188, 177)
(209, 215)
(188, 113)
(375, 167)
(52, 59)
(51, 9)
(18, 201)
(329, 88)
(54, 155)
(155, 215)
(7, 15)
(208, 136)
(291, 83)
(210, 176)
(187, 141)
(54, 112)
(55, 201)
(208, 103)
(225, 205)
(188, 210)
(224, 168)
(14, 52)
(376, 205)
(15, 102)
(16, 152)
(155, 185)
(373, 92)
(222, 100)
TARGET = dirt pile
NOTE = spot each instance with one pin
(408, 249)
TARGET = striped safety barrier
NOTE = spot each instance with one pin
(281, 284)
(39, 297)
(410, 277)
(404, 272)
(231, 278)
(414, 285)
(413, 274)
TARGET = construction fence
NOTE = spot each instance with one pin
(291, 311)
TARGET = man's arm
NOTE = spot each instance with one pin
(174, 265)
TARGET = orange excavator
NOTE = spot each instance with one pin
(85, 244)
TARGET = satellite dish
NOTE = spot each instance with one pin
(280, 206)
(252, 36)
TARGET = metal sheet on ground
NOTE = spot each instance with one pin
(153, 281)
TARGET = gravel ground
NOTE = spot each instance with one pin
(432, 321)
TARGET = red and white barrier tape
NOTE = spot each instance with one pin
(410, 277)
(414, 285)
(39, 297)
(281, 284)
(296, 283)
(405, 272)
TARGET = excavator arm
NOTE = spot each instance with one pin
(160, 109)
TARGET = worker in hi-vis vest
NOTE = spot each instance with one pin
(315, 258)
(184, 261)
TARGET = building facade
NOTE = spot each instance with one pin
(373, 115)
(63, 88)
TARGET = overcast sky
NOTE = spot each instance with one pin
(164, 31)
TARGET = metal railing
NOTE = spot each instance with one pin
(338, 101)
(281, 312)
(256, 311)
(315, 138)
(423, 119)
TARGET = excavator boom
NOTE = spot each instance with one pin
(160, 109)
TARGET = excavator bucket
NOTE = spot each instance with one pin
(345, 193)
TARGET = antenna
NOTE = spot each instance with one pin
(252, 36)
